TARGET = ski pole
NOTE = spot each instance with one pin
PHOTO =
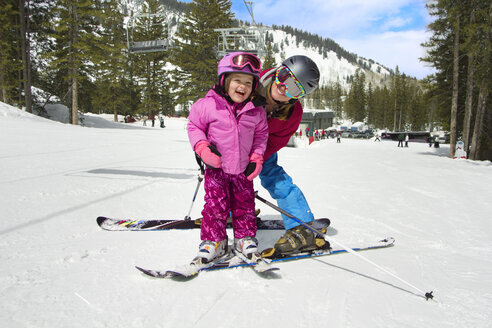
(200, 179)
(348, 249)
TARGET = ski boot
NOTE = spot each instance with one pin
(210, 251)
(247, 250)
(247, 246)
(295, 240)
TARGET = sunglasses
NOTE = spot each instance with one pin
(241, 60)
(294, 89)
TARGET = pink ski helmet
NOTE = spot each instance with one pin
(239, 62)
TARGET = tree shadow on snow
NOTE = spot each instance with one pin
(440, 152)
(148, 174)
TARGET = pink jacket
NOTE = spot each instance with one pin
(236, 136)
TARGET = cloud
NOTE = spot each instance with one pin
(336, 17)
(393, 49)
(395, 22)
(387, 31)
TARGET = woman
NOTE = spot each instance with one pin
(279, 91)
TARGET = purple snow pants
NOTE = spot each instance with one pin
(226, 193)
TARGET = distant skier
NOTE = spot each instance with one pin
(229, 134)
(401, 137)
(152, 118)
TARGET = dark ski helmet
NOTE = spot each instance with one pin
(305, 71)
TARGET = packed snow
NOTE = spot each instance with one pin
(59, 269)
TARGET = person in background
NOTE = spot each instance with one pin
(152, 118)
(279, 91)
(401, 137)
(229, 134)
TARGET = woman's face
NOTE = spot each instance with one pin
(278, 92)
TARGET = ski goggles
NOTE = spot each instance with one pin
(294, 89)
(243, 59)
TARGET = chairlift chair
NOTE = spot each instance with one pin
(245, 38)
(145, 46)
(250, 39)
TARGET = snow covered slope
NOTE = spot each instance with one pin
(59, 269)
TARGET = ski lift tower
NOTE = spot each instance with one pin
(138, 46)
(245, 38)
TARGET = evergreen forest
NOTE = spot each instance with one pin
(76, 52)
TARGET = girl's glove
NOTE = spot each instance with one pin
(254, 167)
(208, 154)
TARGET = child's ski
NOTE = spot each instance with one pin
(234, 263)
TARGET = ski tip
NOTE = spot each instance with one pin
(388, 240)
(260, 269)
(104, 223)
(156, 273)
(151, 273)
(146, 271)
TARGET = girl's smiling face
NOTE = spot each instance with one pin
(240, 87)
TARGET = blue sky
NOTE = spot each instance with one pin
(387, 31)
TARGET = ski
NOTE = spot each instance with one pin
(186, 271)
(387, 242)
(236, 262)
(113, 224)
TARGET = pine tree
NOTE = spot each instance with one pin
(438, 49)
(371, 105)
(9, 41)
(150, 72)
(355, 103)
(41, 27)
(456, 61)
(460, 44)
(416, 118)
(194, 52)
(337, 99)
(478, 42)
(110, 94)
(269, 60)
(76, 42)
(384, 108)
(24, 39)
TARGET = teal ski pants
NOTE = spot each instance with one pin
(288, 196)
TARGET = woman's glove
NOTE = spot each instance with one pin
(208, 154)
(254, 167)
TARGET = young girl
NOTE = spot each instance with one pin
(229, 134)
